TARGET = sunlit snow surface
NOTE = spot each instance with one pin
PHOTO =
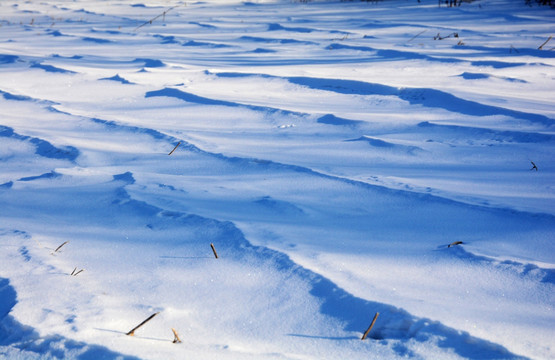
(331, 151)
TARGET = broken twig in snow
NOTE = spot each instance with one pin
(132, 332)
(417, 35)
(455, 243)
(156, 17)
(546, 41)
(176, 146)
(214, 250)
(370, 327)
(176, 338)
(78, 272)
(59, 247)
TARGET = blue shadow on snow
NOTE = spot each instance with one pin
(42, 147)
(24, 342)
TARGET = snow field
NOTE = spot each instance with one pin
(330, 151)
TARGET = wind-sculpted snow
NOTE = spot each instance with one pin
(192, 98)
(207, 44)
(522, 269)
(50, 175)
(150, 63)
(119, 207)
(399, 325)
(51, 68)
(396, 55)
(481, 76)
(274, 40)
(97, 40)
(8, 297)
(118, 79)
(460, 132)
(334, 120)
(267, 177)
(417, 96)
(278, 27)
(10, 96)
(22, 342)
(378, 143)
(426, 97)
(43, 147)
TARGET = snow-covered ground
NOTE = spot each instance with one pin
(330, 151)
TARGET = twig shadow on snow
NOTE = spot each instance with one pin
(135, 336)
(185, 257)
(112, 331)
(335, 338)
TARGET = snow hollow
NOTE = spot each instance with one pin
(347, 161)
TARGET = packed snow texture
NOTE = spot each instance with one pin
(343, 158)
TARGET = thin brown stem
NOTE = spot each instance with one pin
(163, 15)
(545, 42)
(59, 247)
(370, 327)
(214, 250)
(417, 35)
(176, 338)
(176, 146)
(132, 331)
(78, 272)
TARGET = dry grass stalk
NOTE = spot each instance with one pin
(214, 250)
(176, 146)
(132, 331)
(59, 247)
(176, 338)
(156, 17)
(417, 35)
(370, 327)
(546, 41)
(74, 273)
(78, 272)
